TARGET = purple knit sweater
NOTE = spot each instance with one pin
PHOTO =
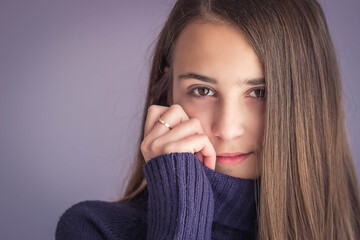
(183, 200)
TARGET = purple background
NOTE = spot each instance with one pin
(73, 79)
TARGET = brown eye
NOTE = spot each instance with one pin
(258, 93)
(202, 91)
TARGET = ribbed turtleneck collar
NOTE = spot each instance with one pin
(234, 200)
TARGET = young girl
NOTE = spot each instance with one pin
(243, 132)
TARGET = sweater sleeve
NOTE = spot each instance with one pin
(181, 202)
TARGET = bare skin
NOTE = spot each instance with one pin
(218, 102)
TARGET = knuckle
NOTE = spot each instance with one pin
(155, 146)
(151, 108)
(168, 148)
(144, 152)
(144, 146)
(196, 122)
(203, 137)
(176, 107)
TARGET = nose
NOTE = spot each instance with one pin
(229, 122)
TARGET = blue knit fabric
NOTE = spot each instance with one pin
(183, 200)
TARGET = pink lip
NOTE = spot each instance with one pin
(231, 158)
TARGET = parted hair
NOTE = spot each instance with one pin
(309, 188)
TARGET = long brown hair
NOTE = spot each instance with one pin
(309, 188)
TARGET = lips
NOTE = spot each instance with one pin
(231, 158)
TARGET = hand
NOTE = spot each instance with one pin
(186, 135)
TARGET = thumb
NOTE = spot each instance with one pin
(200, 157)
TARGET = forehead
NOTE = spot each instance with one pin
(215, 49)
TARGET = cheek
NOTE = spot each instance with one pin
(255, 118)
(195, 109)
(201, 113)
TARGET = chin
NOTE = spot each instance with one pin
(245, 170)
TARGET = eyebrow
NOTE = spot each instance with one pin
(252, 82)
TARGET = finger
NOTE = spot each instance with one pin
(200, 157)
(172, 116)
(194, 144)
(153, 113)
(182, 130)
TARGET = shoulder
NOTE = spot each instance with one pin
(103, 220)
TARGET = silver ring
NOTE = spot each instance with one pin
(164, 123)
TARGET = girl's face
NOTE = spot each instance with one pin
(218, 78)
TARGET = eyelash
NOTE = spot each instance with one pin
(192, 92)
